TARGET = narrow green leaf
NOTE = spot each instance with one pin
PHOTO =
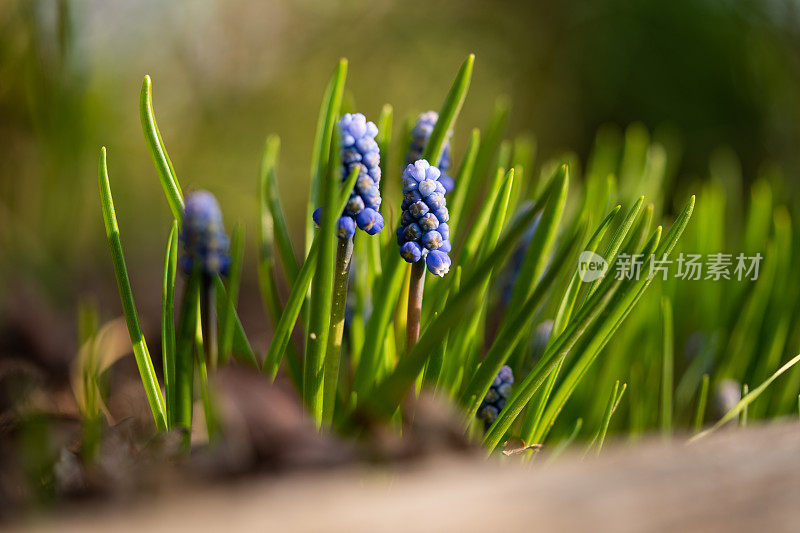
(449, 112)
(543, 240)
(166, 174)
(140, 351)
(702, 401)
(533, 417)
(464, 177)
(613, 403)
(388, 286)
(168, 321)
(512, 330)
(329, 110)
(322, 288)
(184, 351)
(237, 256)
(603, 332)
(270, 200)
(747, 400)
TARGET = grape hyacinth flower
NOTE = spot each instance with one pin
(496, 397)
(423, 231)
(420, 134)
(203, 238)
(359, 150)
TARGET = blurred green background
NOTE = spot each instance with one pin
(703, 75)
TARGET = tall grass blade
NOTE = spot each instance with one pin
(140, 351)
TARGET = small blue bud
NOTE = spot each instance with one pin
(418, 209)
(420, 133)
(428, 222)
(413, 196)
(401, 237)
(372, 198)
(345, 227)
(412, 232)
(355, 205)
(406, 218)
(504, 390)
(411, 252)
(427, 187)
(435, 201)
(445, 246)
(442, 214)
(444, 230)
(431, 240)
(370, 221)
(364, 184)
(438, 262)
(316, 216)
(409, 184)
(492, 395)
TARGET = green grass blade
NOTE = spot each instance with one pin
(168, 321)
(747, 400)
(613, 403)
(603, 332)
(667, 367)
(140, 351)
(565, 308)
(587, 315)
(482, 220)
(619, 237)
(491, 139)
(271, 203)
(234, 280)
(166, 174)
(702, 401)
(329, 110)
(464, 176)
(283, 330)
(388, 286)
(333, 351)
(184, 351)
(543, 240)
(320, 302)
(449, 112)
(241, 349)
(512, 330)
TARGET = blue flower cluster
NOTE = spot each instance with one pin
(202, 235)
(423, 230)
(496, 397)
(359, 150)
(420, 134)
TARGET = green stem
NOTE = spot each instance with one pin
(209, 323)
(344, 253)
(416, 286)
(184, 354)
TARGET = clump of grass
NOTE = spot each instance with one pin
(481, 319)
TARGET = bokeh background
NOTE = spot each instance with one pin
(712, 79)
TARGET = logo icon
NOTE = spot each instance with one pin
(591, 266)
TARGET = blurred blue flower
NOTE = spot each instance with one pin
(420, 134)
(496, 397)
(203, 239)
